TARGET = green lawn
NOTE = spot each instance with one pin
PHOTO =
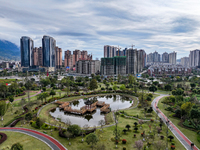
(28, 142)
(105, 137)
(190, 134)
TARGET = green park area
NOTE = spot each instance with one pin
(137, 126)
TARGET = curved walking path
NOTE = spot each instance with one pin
(29, 96)
(179, 135)
(51, 142)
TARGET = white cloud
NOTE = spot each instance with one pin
(162, 25)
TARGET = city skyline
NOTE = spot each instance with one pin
(89, 25)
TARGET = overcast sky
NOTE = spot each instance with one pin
(161, 25)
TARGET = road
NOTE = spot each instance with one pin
(51, 142)
(179, 135)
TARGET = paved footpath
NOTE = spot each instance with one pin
(179, 135)
(51, 142)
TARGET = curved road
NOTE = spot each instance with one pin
(51, 142)
(179, 135)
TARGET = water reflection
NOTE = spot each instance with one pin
(115, 101)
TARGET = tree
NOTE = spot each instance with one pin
(74, 129)
(92, 138)
(131, 79)
(45, 95)
(3, 89)
(168, 87)
(122, 87)
(159, 145)
(40, 97)
(22, 102)
(67, 90)
(114, 87)
(153, 88)
(135, 128)
(155, 83)
(170, 137)
(3, 108)
(187, 107)
(119, 78)
(11, 99)
(102, 123)
(124, 130)
(17, 146)
(193, 85)
(13, 87)
(52, 93)
(128, 126)
(138, 144)
(93, 84)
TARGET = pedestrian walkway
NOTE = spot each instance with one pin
(179, 135)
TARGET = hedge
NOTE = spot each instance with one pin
(3, 137)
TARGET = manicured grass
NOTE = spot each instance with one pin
(109, 118)
(7, 80)
(190, 134)
(8, 116)
(107, 134)
(28, 142)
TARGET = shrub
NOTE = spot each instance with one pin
(44, 89)
(17, 146)
(161, 137)
(74, 129)
(3, 137)
(124, 141)
(172, 147)
(102, 88)
(124, 148)
(139, 106)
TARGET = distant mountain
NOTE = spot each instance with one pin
(9, 51)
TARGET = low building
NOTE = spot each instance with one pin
(167, 69)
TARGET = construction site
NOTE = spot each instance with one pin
(88, 108)
(113, 66)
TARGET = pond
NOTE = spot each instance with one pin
(92, 119)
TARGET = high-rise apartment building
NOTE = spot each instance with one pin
(131, 61)
(71, 59)
(194, 58)
(153, 57)
(58, 57)
(88, 66)
(109, 51)
(26, 48)
(40, 56)
(113, 65)
(172, 58)
(185, 61)
(35, 56)
(156, 57)
(48, 48)
(165, 57)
